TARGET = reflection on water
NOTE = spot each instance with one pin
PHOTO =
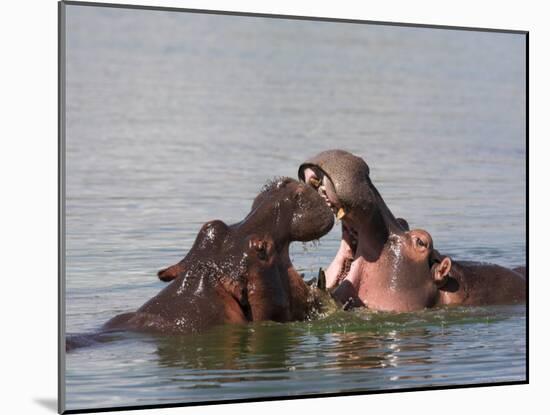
(176, 119)
(344, 351)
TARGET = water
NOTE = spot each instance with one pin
(175, 119)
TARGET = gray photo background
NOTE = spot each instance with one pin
(173, 119)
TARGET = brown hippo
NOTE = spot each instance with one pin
(241, 272)
(477, 283)
(384, 265)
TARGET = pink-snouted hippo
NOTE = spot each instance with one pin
(382, 264)
(241, 272)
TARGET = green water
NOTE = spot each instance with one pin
(342, 352)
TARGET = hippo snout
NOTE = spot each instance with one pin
(312, 217)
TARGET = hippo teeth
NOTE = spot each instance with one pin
(314, 182)
(340, 214)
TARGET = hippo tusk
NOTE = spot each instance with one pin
(341, 213)
(322, 280)
(314, 182)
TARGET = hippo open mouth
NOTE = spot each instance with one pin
(322, 182)
(349, 242)
(342, 180)
(347, 252)
(381, 263)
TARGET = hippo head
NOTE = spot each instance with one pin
(407, 277)
(249, 261)
(343, 181)
(285, 211)
(380, 262)
(297, 211)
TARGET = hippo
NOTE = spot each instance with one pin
(384, 265)
(478, 283)
(237, 273)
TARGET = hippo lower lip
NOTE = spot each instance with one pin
(345, 257)
(333, 205)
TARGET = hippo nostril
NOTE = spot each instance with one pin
(166, 275)
(393, 238)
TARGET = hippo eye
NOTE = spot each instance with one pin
(420, 242)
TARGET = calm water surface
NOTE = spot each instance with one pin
(177, 119)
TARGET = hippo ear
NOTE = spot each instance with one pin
(403, 223)
(170, 273)
(440, 271)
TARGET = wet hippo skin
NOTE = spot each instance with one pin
(241, 272)
(381, 263)
(477, 283)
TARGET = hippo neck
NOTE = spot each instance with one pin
(374, 229)
(375, 223)
(386, 216)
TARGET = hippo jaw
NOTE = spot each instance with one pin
(285, 211)
(273, 289)
(343, 182)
